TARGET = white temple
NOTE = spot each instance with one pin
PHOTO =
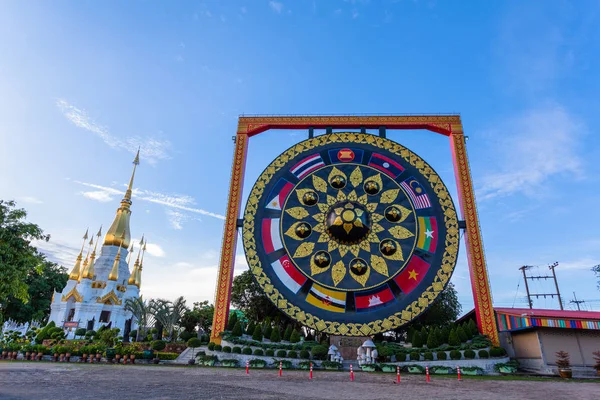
(98, 288)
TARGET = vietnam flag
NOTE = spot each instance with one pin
(428, 234)
(413, 274)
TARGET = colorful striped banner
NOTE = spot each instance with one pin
(512, 323)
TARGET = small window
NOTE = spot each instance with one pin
(71, 314)
(104, 316)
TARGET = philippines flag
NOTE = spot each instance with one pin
(270, 235)
(278, 194)
(368, 301)
(413, 274)
(385, 165)
(288, 274)
(308, 165)
(416, 192)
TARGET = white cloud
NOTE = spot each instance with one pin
(585, 264)
(177, 218)
(179, 202)
(30, 200)
(276, 6)
(151, 149)
(98, 195)
(532, 148)
(151, 248)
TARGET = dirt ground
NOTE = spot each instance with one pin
(26, 380)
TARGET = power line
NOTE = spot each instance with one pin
(577, 302)
(538, 277)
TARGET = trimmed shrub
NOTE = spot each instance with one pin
(445, 333)
(453, 339)
(281, 353)
(194, 342)
(268, 331)
(292, 354)
(483, 354)
(428, 356)
(257, 335)
(211, 346)
(442, 355)
(184, 335)
(288, 333)
(461, 334)
(469, 354)
(295, 336)
(319, 352)
(455, 355)
(432, 340)
(237, 329)
(167, 356)
(226, 349)
(218, 347)
(401, 356)
(416, 339)
(247, 351)
(158, 345)
(250, 328)
(81, 332)
(233, 319)
(236, 350)
(497, 352)
(415, 356)
(305, 354)
(270, 353)
(473, 328)
(259, 352)
(275, 336)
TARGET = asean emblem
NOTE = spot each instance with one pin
(350, 234)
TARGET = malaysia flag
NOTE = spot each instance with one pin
(270, 235)
(413, 274)
(385, 165)
(278, 194)
(308, 165)
(417, 193)
(288, 274)
(367, 301)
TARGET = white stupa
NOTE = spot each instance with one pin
(97, 289)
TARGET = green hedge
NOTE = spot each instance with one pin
(167, 356)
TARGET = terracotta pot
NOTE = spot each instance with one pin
(27, 354)
(566, 373)
(83, 357)
(132, 358)
(55, 357)
(15, 354)
(4, 353)
(40, 355)
(68, 357)
(98, 357)
(62, 357)
(598, 372)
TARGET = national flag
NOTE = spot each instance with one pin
(428, 234)
(308, 165)
(270, 235)
(413, 274)
(385, 165)
(288, 274)
(417, 193)
(278, 194)
(346, 155)
(368, 301)
(327, 299)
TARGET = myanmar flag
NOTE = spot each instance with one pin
(413, 274)
(428, 234)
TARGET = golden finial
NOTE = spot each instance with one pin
(138, 275)
(88, 272)
(118, 234)
(74, 275)
(129, 252)
(114, 272)
(132, 277)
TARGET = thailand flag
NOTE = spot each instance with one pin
(288, 274)
(385, 165)
(270, 235)
(307, 166)
(416, 192)
(278, 194)
(367, 301)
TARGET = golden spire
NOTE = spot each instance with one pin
(88, 272)
(114, 272)
(138, 276)
(131, 280)
(129, 252)
(87, 257)
(118, 234)
(74, 275)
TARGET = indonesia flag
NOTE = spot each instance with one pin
(367, 301)
(270, 235)
(307, 166)
(385, 165)
(278, 194)
(288, 274)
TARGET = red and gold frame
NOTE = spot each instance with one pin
(447, 125)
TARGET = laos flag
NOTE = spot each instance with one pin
(385, 165)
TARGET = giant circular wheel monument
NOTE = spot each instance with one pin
(348, 232)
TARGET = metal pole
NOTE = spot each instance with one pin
(556, 284)
(576, 302)
(526, 287)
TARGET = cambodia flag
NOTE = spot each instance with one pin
(288, 274)
(416, 192)
(270, 235)
(278, 194)
(428, 234)
(413, 274)
(367, 301)
(385, 165)
(308, 165)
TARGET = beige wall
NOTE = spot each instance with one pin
(578, 343)
(526, 344)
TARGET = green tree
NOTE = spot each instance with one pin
(473, 327)
(453, 339)
(268, 331)
(41, 286)
(200, 317)
(416, 339)
(258, 334)
(237, 329)
(233, 319)
(140, 311)
(250, 328)
(17, 256)
(295, 336)
(288, 333)
(445, 334)
(460, 332)
(247, 296)
(467, 330)
(432, 340)
(275, 335)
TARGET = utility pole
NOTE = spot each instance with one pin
(578, 302)
(530, 295)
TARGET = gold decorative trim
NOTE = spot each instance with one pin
(98, 285)
(72, 293)
(110, 298)
(355, 329)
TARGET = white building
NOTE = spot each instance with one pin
(98, 288)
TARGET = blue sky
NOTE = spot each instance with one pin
(83, 84)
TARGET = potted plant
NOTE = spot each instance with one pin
(193, 343)
(157, 346)
(564, 364)
(68, 350)
(84, 353)
(597, 359)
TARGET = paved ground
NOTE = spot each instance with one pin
(26, 380)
